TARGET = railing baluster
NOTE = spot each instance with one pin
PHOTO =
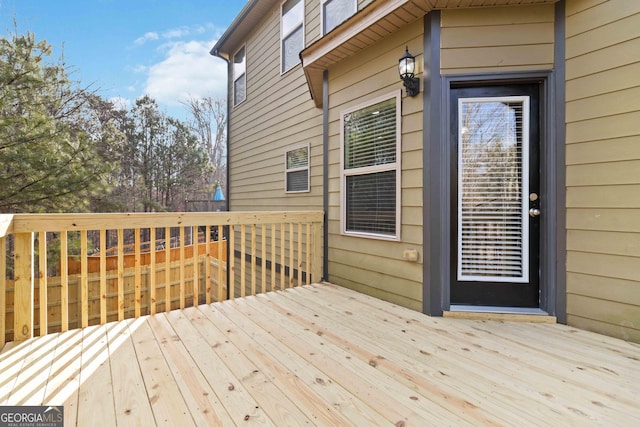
(308, 255)
(243, 262)
(167, 269)
(299, 262)
(317, 255)
(64, 281)
(196, 266)
(3, 291)
(274, 260)
(183, 285)
(84, 279)
(282, 251)
(152, 270)
(137, 275)
(221, 280)
(253, 259)
(43, 284)
(120, 274)
(263, 287)
(23, 287)
(103, 276)
(291, 253)
(231, 283)
(207, 265)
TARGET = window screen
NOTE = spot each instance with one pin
(335, 12)
(239, 77)
(297, 170)
(291, 33)
(370, 169)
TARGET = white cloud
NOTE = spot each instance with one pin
(152, 35)
(139, 68)
(188, 70)
(176, 33)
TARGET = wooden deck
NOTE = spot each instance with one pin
(323, 355)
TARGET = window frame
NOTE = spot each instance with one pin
(236, 78)
(322, 15)
(397, 166)
(298, 169)
(283, 36)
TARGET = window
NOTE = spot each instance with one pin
(297, 170)
(370, 169)
(291, 33)
(334, 12)
(239, 76)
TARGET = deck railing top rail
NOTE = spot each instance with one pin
(25, 223)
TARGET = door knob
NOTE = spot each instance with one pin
(533, 212)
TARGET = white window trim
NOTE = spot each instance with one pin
(307, 168)
(284, 36)
(371, 169)
(234, 77)
(322, 2)
(524, 192)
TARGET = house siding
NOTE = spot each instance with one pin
(277, 115)
(603, 166)
(497, 39)
(376, 266)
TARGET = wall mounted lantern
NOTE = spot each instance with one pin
(407, 68)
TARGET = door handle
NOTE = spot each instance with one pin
(533, 212)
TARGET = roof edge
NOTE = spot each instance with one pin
(216, 50)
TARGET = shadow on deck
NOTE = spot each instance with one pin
(324, 355)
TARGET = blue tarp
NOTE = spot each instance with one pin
(218, 196)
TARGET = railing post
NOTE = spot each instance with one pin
(317, 273)
(3, 290)
(23, 288)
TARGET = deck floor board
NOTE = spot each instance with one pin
(324, 355)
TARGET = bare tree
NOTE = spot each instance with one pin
(208, 122)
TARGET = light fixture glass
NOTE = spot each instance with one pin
(407, 65)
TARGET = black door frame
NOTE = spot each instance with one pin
(435, 295)
(437, 179)
(488, 292)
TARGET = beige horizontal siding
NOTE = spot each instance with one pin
(277, 115)
(603, 166)
(605, 219)
(609, 150)
(607, 81)
(376, 266)
(593, 286)
(610, 173)
(497, 39)
(312, 21)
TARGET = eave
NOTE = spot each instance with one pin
(376, 21)
(243, 24)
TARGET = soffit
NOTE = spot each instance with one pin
(376, 21)
(246, 21)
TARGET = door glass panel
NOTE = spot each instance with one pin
(493, 189)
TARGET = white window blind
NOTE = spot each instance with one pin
(291, 33)
(334, 12)
(493, 189)
(297, 170)
(239, 76)
(370, 169)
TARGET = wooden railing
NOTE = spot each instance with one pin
(65, 271)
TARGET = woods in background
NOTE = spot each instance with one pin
(63, 148)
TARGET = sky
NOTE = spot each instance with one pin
(129, 48)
